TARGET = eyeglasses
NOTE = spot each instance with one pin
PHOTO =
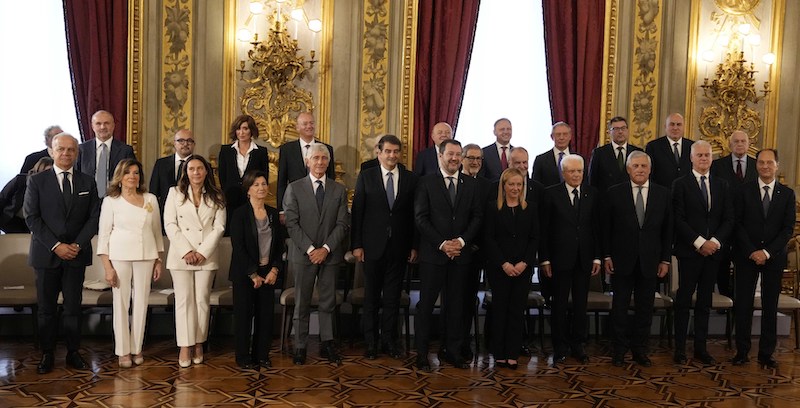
(474, 158)
(614, 129)
(185, 141)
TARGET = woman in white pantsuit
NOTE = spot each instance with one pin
(130, 245)
(194, 218)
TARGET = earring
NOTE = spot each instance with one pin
(120, 185)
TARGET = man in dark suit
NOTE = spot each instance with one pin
(637, 239)
(291, 160)
(103, 153)
(532, 189)
(737, 168)
(704, 221)
(316, 219)
(496, 156)
(670, 153)
(427, 161)
(167, 169)
(62, 210)
(607, 166)
(31, 159)
(546, 166)
(570, 254)
(382, 237)
(765, 218)
(447, 211)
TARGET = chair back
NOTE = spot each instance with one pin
(14, 269)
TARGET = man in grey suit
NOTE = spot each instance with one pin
(316, 218)
(99, 157)
(62, 211)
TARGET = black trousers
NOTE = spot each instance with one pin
(746, 276)
(724, 273)
(570, 334)
(433, 278)
(694, 274)
(67, 280)
(383, 283)
(632, 335)
(472, 284)
(253, 311)
(509, 300)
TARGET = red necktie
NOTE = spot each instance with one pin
(503, 159)
(739, 173)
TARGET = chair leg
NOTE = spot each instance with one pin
(597, 327)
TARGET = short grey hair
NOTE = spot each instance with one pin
(571, 158)
(472, 146)
(520, 148)
(637, 154)
(700, 143)
(49, 135)
(318, 147)
(64, 135)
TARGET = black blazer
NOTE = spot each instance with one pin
(693, 220)
(754, 231)
(492, 168)
(162, 178)
(87, 156)
(292, 167)
(664, 170)
(373, 222)
(604, 170)
(569, 238)
(31, 159)
(437, 220)
(545, 169)
(427, 162)
(11, 199)
(244, 240)
(51, 221)
(229, 179)
(723, 167)
(510, 236)
(624, 241)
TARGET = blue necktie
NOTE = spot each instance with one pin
(390, 189)
(560, 175)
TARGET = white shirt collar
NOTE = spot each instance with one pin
(556, 151)
(761, 185)
(323, 179)
(698, 175)
(107, 143)
(59, 170)
(624, 146)
(645, 185)
(445, 175)
(235, 146)
(384, 170)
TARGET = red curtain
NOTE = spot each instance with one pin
(97, 46)
(445, 34)
(574, 49)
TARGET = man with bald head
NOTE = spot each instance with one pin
(167, 170)
(670, 153)
(428, 159)
(99, 157)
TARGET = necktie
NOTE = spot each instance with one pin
(503, 159)
(576, 201)
(390, 189)
(739, 172)
(66, 189)
(451, 188)
(303, 159)
(621, 158)
(101, 175)
(704, 191)
(180, 170)
(766, 201)
(639, 206)
(676, 153)
(560, 175)
(320, 194)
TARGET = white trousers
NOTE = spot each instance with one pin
(134, 279)
(192, 293)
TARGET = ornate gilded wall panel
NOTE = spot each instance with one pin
(643, 101)
(176, 70)
(374, 75)
(608, 102)
(409, 64)
(135, 55)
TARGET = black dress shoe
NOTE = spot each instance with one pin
(581, 357)
(299, 356)
(247, 365)
(768, 362)
(501, 364)
(46, 364)
(394, 351)
(559, 358)
(371, 353)
(75, 361)
(265, 363)
(679, 358)
(466, 353)
(456, 362)
(513, 366)
(642, 360)
(705, 358)
(525, 351)
(618, 360)
(328, 351)
(423, 364)
(740, 359)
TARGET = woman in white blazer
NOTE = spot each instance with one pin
(194, 219)
(130, 245)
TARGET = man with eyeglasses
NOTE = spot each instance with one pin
(167, 170)
(607, 165)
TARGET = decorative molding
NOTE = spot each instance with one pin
(176, 70)
(645, 73)
(135, 55)
(374, 90)
(776, 45)
(410, 8)
(611, 41)
(323, 117)
(229, 65)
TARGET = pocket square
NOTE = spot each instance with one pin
(83, 193)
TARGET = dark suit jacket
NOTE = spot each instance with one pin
(438, 220)
(754, 231)
(373, 222)
(31, 159)
(604, 170)
(545, 169)
(308, 226)
(51, 221)
(664, 170)
(11, 199)
(624, 241)
(492, 168)
(693, 220)
(87, 156)
(510, 236)
(292, 166)
(162, 178)
(229, 179)
(244, 239)
(569, 239)
(723, 167)
(427, 162)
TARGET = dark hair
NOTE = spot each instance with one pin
(774, 151)
(115, 185)
(250, 177)
(444, 144)
(617, 119)
(391, 139)
(43, 164)
(212, 192)
(251, 123)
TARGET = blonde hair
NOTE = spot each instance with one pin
(501, 193)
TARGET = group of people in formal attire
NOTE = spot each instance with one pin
(464, 210)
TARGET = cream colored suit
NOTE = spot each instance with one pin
(198, 229)
(131, 237)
